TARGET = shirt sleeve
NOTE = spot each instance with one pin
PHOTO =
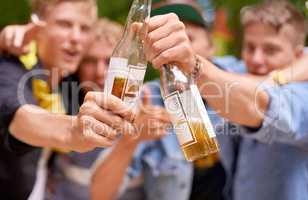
(286, 120)
(14, 93)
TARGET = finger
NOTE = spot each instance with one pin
(91, 125)
(136, 27)
(164, 31)
(146, 97)
(103, 129)
(36, 20)
(111, 103)
(166, 43)
(179, 55)
(32, 30)
(97, 140)
(160, 20)
(19, 37)
(8, 37)
(156, 112)
(105, 116)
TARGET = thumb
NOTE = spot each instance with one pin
(146, 98)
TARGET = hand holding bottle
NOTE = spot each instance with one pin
(167, 42)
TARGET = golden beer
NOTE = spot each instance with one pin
(118, 87)
(203, 145)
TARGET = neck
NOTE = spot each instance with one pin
(54, 74)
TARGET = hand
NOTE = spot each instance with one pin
(14, 39)
(152, 121)
(168, 43)
(101, 118)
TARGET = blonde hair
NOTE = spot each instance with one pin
(39, 7)
(277, 13)
(108, 30)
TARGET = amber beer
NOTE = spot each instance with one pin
(128, 64)
(189, 117)
(118, 87)
(204, 145)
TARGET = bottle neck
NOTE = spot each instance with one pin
(140, 10)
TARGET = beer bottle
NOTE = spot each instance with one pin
(189, 117)
(128, 64)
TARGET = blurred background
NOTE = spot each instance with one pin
(221, 15)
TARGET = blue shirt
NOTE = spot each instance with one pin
(271, 162)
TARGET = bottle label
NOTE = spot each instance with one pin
(116, 77)
(124, 81)
(174, 106)
(134, 83)
(202, 110)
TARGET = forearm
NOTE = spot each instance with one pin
(108, 176)
(236, 97)
(298, 71)
(37, 127)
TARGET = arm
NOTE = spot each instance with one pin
(239, 98)
(150, 123)
(36, 126)
(297, 71)
(236, 97)
(286, 117)
(234, 94)
(110, 173)
(14, 39)
(93, 127)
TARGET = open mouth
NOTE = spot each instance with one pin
(71, 54)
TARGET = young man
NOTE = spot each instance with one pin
(27, 85)
(72, 172)
(270, 151)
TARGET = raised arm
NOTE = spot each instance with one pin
(239, 98)
(109, 174)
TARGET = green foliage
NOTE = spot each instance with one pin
(114, 9)
(18, 11)
(14, 12)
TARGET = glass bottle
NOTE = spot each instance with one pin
(189, 117)
(128, 63)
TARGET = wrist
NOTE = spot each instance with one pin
(202, 75)
(129, 141)
(65, 139)
(279, 77)
(198, 65)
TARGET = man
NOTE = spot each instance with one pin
(270, 152)
(29, 82)
(71, 174)
(137, 150)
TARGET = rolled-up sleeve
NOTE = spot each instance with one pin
(286, 119)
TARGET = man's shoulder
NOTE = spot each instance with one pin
(230, 64)
(11, 66)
